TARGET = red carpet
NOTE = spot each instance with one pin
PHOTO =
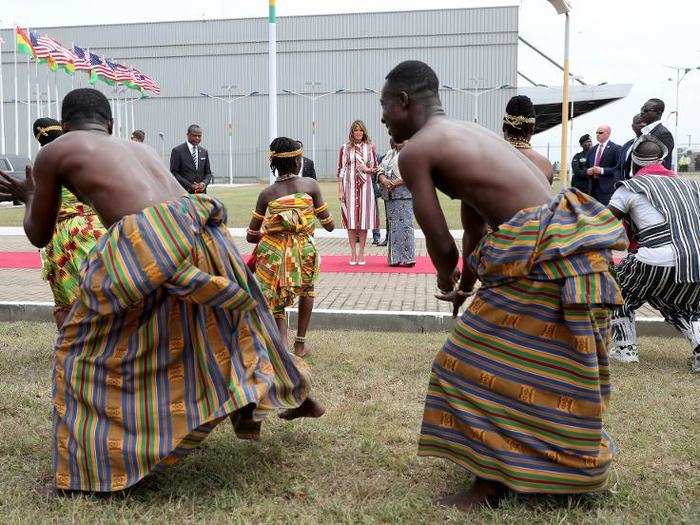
(329, 263)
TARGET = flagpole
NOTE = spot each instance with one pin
(48, 94)
(29, 110)
(55, 91)
(39, 106)
(2, 105)
(16, 100)
(272, 46)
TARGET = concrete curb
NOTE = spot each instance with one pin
(372, 320)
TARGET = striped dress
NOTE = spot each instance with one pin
(286, 258)
(517, 393)
(359, 208)
(170, 335)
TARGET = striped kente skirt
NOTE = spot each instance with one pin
(517, 393)
(170, 334)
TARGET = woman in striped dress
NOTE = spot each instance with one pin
(357, 164)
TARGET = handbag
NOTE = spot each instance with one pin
(252, 259)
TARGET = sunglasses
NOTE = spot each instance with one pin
(599, 132)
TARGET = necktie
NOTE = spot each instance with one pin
(195, 158)
(598, 154)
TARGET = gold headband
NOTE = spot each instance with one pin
(517, 121)
(45, 131)
(286, 154)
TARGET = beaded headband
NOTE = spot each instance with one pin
(286, 154)
(648, 160)
(45, 131)
(517, 121)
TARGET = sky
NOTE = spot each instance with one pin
(613, 41)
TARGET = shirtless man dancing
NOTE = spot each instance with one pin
(517, 393)
(170, 333)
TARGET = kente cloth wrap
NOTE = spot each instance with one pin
(287, 261)
(517, 393)
(170, 334)
(77, 231)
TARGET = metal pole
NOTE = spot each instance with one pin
(16, 101)
(2, 107)
(674, 153)
(133, 122)
(563, 164)
(230, 139)
(29, 112)
(48, 95)
(313, 129)
(56, 101)
(39, 106)
(272, 72)
(476, 107)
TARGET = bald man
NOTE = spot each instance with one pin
(602, 165)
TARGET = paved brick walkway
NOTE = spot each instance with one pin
(336, 291)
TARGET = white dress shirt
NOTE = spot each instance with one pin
(602, 152)
(194, 153)
(646, 130)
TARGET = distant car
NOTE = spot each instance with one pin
(14, 165)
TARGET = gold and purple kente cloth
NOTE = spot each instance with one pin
(170, 334)
(287, 261)
(77, 231)
(517, 393)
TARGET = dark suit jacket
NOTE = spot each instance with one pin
(307, 168)
(182, 166)
(665, 136)
(624, 160)
(579, 179)
(603, 187)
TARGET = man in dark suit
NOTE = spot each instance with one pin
(189, 162)
(624, 161)
(651, 115)
(307, 166)
(602, 165)
(579, 164)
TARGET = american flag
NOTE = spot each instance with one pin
(61, 55)
(147, 82)
(100, 66)
(41, 50)
(81, 60)
(121, 73)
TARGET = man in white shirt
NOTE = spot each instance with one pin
(651, 112)
(664, 212)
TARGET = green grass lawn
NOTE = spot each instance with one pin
(240, 202)
(358, 463)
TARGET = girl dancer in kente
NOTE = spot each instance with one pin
(77, 230)
(286, 259)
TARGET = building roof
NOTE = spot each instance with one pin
(547, 101)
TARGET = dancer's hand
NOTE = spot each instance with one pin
(15, 188)
(456, 297)
(446, 285)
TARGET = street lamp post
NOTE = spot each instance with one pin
(313, 98)
(476, 93)
(563, 7)
(681, 72)
(229, 102)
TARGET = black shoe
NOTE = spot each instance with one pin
(375, 242)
